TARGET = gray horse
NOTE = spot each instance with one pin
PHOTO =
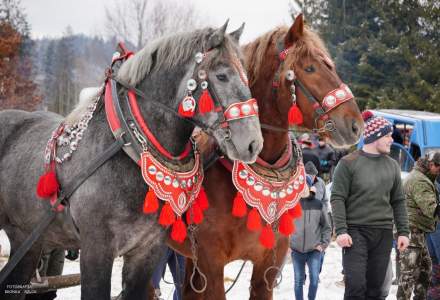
(107, 208)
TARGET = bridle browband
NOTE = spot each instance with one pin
(330, 101)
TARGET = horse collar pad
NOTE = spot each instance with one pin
(270, 198)
(179, 189)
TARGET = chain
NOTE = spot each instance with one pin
(192, 230)
(270, 286)
(141, 139)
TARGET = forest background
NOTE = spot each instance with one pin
(387, 50)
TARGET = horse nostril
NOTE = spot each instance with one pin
(355, 127)
(251, 147)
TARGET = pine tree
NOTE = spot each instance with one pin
(388, 51)
(62, 78)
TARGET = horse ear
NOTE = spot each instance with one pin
(216, 39)
(295, 31)
(237, 33)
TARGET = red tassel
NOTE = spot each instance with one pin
(239, 208)
(267, 237)
(286, 224)
(254, 220)
(295, 116)
(178, 231)
(202, 199)
(167, 216)
(194, 214)
(296, 212)
(47, 185)
(206, 104)
(151, 203)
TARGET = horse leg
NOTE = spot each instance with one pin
(25, 269)
(96, 262)
(259, 288)
(215, 288)
(138, 267)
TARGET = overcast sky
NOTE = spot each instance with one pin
(51, 17)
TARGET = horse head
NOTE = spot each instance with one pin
(202, 72)
(296, 63)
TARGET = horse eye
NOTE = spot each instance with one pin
(222, 77)
(310, 69)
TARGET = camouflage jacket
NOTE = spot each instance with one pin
(421, 201)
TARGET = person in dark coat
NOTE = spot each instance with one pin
(309, 241)
(307, 151)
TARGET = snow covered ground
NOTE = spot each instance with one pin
(328, 290)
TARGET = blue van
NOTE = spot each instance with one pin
(415, 132)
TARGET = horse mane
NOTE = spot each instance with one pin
(86, 97)
(166, 53)
(163, 53)
(310, 45)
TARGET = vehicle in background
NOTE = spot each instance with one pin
(415, 134)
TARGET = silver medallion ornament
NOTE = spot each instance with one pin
(202, 74)
(340, 94)
(204, 85)
(199, 57)
(330, 100)
(290, 75)
(189, 104)
(191, 85)
(234, 112)
(246, 109)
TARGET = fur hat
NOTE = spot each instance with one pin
(375, 127)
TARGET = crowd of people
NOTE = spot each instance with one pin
(372, 210)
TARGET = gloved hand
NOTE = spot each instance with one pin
(72, 254)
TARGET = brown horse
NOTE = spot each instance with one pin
(222, 238)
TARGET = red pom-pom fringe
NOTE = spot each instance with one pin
(286, 224)
(239, 208)
(167, 216)
(295, 116)
(206, 104)
(254, 220)
(194, 214)
(202, 199)
(47, 185)
(296, 212)
(151, 203)
(267, 237)
(178, 231)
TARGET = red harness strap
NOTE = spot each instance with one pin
(138, 116)
(112, 117)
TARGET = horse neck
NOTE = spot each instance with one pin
(172, 132)
(270, 114)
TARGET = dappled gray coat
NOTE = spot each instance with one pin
(312, 228)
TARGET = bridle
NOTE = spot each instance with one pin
(321, 109)
(134, 126)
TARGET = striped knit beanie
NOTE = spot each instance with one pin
(375, 127)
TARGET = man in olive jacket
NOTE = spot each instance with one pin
(421, 196)
(367, 199)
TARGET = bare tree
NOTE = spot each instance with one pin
(139, 21)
